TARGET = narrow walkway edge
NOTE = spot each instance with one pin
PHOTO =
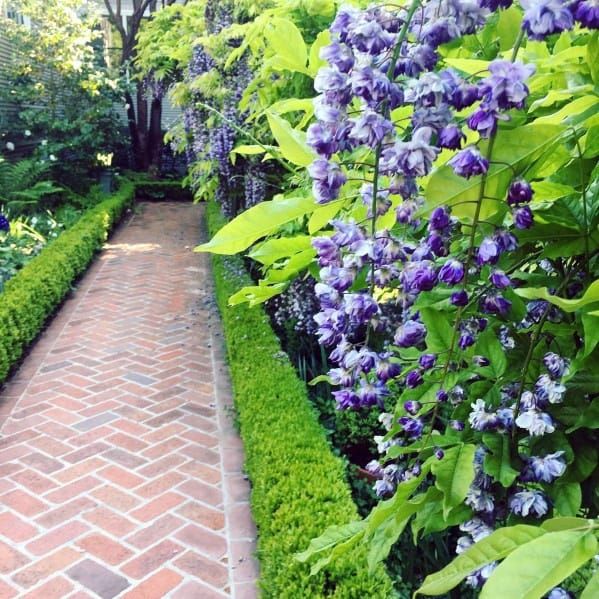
(121, 472)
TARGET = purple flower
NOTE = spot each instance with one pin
(520, 192)
(586, 12)
(505, 240)
(4, 223)
(386, 370)
(371, 394)
(346, 17)
(493, 5)
(480, 361)
(383, 203)
(327, 251)
(328, 180)
(529, 503)
(523, 217)
(549, 390)
(495, 303)
(419, 276)
(410, 334)
(537, 423)
(370, 37)
(559, 593)
(456, 425)
(370, 129)
(327, 295)
(439, 453)
(413, 158)
(556, 365)
(469, 162)
(544, 470)
(414, 379)
(451, 137)
(334, 85)
(452, 272)
(480, 419)
(427, 361)
(439, 219)
(459, 298)
(346, 399)
(360, 307)
(458, 93)
(500, 279)
(488, 252)
(338, 55)
(544, 17)
(484, 120)
(413, 427)
(505, 87)
(322, 138)
(412, 407)
(466, 339)
(369, 84)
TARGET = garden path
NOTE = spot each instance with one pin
(120, 468)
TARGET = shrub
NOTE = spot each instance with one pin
(35, 292)
(298, 484)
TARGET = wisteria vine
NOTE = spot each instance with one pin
(374, 280)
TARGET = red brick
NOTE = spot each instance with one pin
(110, 521)
(57, 588)
(152, 559)
(11, 559)
(121, 477)
(201, 514)
(33, 481)
(204, 568)
(66, 512)
(155, 587)
(22, 502)
(46, 566)
(106, 549)
(159, 485)
(57, 537)
(72, 490)
(155, 532)
(15, 529)
(157, 506)
(6, 591)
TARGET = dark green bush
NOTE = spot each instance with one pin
(34, 293)
(298, 484)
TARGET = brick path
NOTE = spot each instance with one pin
(120, 470)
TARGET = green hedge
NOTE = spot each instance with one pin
(159, 189)
(34, 293)
(298, 486)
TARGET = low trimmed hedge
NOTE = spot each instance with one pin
(161, 189)
(35, 292)
(298, 486)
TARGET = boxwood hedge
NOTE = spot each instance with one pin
(34, 293)
(298, 486)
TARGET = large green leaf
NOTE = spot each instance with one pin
(492, 548)
(591, 591)
(497, 463)
(257, 222)
(489, 346)
(439, 330)
(591, 295)
(292, 142)
(454, 474)
(270, 251)
(323, 214)
(535, 568)
(256, 294)
(288, 44)
(567, 498)
(514, 150)
(322, 39)
(590, 324)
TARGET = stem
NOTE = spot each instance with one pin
(584, 204)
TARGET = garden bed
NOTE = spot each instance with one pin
(298, 484)
(35, 292)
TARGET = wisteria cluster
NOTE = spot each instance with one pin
(296, 305)
(372, 278)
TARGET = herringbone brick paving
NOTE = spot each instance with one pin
(120, 469)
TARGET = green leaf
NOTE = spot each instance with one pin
(535, 568)
(567, 498)
(257, 222)
(469, 65)
(547, 191)
(593, 57)
(590, 296)
(588, 418)
(566, 523)
(288, 44)
(488, 346)
(571, 109)
(323, 215)
(292, 142)
(315, 62)
(248, 150)
(454, 474)
(515, 149)
(498, 463)
(293, 105)
(439, 331)
(591, 591)
(508, 27)
(589, 143)
(496, 546)
(256, 294)
(272, 250)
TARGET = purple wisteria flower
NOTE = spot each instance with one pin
(451, 137)
(556, 365)
(4, 223)
(586, 12)
(500, 280)
(519, 192)
(338, 55)
(544, 469)
(544, 17)
(328, 180)
(469, 162)
(523, 217)
(529, 503)
(370, 129)
(480, 418)
(452, 272)
(537, 423)
(488, 252)
(410, 334)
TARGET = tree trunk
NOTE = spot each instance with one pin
(142, 129)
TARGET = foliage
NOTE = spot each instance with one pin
(460, 287)
(297, 483)
(59, 84)
(33, 294)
